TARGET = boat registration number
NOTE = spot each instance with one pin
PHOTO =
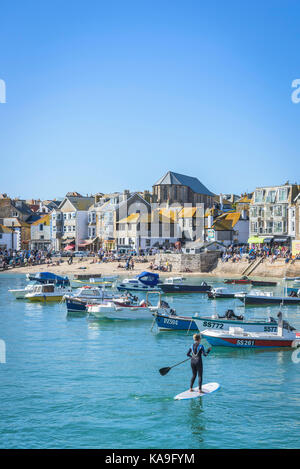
(173, 322)
(270, 329)
(214, 325)
(245, 342)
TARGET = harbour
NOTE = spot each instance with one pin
(75, 381)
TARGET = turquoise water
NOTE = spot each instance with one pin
(73, 382)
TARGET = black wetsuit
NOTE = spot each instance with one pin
(195, 352)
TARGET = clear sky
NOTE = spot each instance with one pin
(109, 95)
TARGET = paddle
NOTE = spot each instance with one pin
(164, 371)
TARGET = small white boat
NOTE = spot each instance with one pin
(111, 310)
(47, 292)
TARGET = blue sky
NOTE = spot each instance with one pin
(105, 96)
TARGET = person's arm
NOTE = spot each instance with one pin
(189, 354)
(205, 353)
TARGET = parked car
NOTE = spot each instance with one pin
(81, 253)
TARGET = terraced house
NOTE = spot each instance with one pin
(272, 214)
(69, 223)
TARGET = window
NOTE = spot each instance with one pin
(70, 228)
(259, 194)
(253, 212)
(282, 194)
(41, 227)
(270, 199)
(278, 210)
(74, 228)
(278, 227)
(65, 228)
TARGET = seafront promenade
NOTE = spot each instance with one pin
(176, 263)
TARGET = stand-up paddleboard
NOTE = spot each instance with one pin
(207, 388)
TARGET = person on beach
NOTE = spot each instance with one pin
(195, 352)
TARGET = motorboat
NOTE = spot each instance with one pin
(291, 279)
(146, 281)
(47, 292)
(267, 298)
(172, 285)
(238, 337)
(220, 292)
(113, 309)
(244, 280)
(78, 300)
(230, 319)
(263, 283)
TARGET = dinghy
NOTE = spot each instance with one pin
(238, 337)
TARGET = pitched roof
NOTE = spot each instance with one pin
(79, 203)
(182, 180)
(45, 219)
(226, 221)
(5, 229)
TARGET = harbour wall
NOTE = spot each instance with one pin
(211, 264)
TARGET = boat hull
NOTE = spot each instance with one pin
(44, 298)
(116, 313)
(248, 300)
(205, 323)
(185, 288)
(247, 343)
(175, 323)
(144, 288)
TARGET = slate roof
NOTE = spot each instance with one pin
(182, 180)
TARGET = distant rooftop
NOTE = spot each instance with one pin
(180, 179)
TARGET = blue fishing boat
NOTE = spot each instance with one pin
(48, 277)
(172, 322)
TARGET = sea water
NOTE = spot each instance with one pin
(75, 382)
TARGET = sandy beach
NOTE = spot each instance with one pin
(88, 266)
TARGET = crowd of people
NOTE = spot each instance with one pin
(14, 258)
(255, 251)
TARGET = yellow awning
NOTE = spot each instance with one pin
(255, 240)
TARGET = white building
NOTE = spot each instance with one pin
(41, 234)
(9, 239)
(69, 223)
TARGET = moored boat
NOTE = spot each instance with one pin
(146, 281)
(172, 322)
(115, 309)
(78, 300)
(47, 292)
(244, 280)
(238, 337)
(171, 286)
(230, 319)
(220, 292)
(48, 277)
(266, 298)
